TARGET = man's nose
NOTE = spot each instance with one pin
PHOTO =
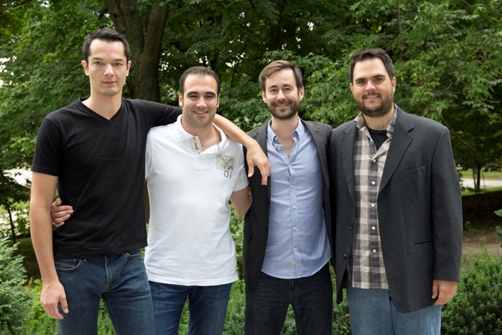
(109, 70)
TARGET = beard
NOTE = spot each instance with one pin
(377, 111)
(286, 115)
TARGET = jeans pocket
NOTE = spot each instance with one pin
(134, 254)
(68, 265)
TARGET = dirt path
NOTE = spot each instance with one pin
(472, 243)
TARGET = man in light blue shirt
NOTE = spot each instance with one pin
(287, 231)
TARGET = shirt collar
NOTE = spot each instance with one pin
(297, 133)
(361, 124)
(183, 135)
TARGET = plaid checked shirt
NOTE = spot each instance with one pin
(366, 266)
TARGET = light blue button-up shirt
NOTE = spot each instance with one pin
(297, 244)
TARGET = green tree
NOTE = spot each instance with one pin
(10, 193)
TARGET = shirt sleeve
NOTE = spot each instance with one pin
(242, 180)
(160, 114)
(48, 155)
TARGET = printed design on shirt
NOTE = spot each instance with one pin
(225, 163)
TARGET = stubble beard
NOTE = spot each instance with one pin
(378, 111)
(293, 111)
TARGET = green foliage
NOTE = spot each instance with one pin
(38, 322)
(237, 230)
(11, 194)
(476, 308)
(14, 297)
(341, 322)
(40, 57)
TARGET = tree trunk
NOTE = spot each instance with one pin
(276, 32)
(12, 228)
(144, 35)
(477, 179)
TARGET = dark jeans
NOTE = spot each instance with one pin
(120, 281)
(207, 307)
(311, 298)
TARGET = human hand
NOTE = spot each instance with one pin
(52, 294)
(60, 213)
(443, 290)
(256, 157)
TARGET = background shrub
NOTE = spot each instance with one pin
(477, 308)
(14, 297)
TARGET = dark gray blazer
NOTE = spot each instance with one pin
(419, 209)
(256, 219)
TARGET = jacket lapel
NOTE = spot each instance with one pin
(401, 140)
(260, 135)
(346, 146)
(314, 132)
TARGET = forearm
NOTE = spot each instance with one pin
(241, 201)
(41, 236)
(43, 189)
(233, 132)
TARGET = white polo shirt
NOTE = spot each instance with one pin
(189, 239)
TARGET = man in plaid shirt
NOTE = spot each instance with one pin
(398, 213)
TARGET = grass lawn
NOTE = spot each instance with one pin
(488, 175)
(470, 191)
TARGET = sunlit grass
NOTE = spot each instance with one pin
(488, 175)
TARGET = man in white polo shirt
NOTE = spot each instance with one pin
(192, 172)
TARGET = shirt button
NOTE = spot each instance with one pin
(294, 228)
(374, 161)
(294, 207)
(373, 183)
(294, 249)
(372, 205)
(293, 265)
(373, 228)
(374, 250)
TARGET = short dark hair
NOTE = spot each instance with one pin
(370, 54)
(199, 71)
(279, 65)
(104, 34)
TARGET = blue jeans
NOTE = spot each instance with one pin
(372, 312)
(207, 306)
(311, 298)
(121, 282)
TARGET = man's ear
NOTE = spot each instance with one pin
(128, 67)
(301, 93)
(180, 100)
(86, 68)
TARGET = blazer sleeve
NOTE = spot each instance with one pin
(446, 212)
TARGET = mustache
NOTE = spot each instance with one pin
(373, 95)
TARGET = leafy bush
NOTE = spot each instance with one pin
(14, 297)
(341, 322)
(38, 322)
(476, 309)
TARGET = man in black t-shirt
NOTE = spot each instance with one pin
(93, 152)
